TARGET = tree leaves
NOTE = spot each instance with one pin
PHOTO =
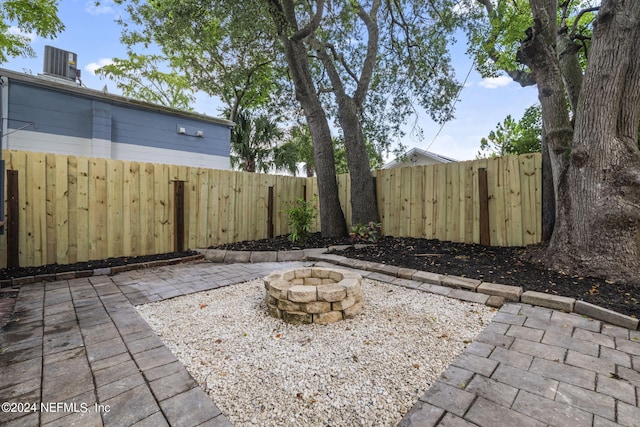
(511, 137)
(221, 48)
(139, 77)
(20, 19)
(254, 145)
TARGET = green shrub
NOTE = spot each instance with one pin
(301, 215)
(370, 232)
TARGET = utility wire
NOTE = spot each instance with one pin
(453, 104)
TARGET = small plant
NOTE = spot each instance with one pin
(370, 232)
(301, 215)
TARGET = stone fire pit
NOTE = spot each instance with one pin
(313, 295)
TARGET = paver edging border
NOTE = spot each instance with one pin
(68, 275)
(570, 305)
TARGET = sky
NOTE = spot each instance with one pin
(92, 33)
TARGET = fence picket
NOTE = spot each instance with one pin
(49, 238)
(495, 179)
(115, 194)
(213, 213)
(514, 197)
(416, 201)
(404, 213)
(191, 203)
(468, 200)
(62, 210)
(72, 208)
(82, 229)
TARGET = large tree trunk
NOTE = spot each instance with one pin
(548, 194)
(539, 53)
(364, 207)
(596, 162)
(332, 220)
(598, 221)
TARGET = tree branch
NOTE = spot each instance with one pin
(283, 16)
(570, 67)
(487, 5)
(522, 77)
(370, 21)
(329, 65)
(340, 58)
(539, 53)
(580, 15)
(313, 24)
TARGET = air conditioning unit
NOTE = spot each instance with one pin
(60, 63)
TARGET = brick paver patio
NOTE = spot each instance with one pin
(82, 342)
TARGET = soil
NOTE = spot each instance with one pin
(10, 273)
(508, 266)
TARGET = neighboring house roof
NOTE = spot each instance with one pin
(59, 84)
(416, 156)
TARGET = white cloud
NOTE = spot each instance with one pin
(105, 7)
(13, 30)
(495, 82)
(92, 67)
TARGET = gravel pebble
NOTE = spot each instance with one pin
(364, 371)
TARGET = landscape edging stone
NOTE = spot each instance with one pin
(511, 293)
(508, 292)
(237, 256)
(550, 301)
(604, 314)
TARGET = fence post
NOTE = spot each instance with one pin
(178, 216)
(2, 179)
(374, 179)
(270, 213)
(483, 193)
(13, 248)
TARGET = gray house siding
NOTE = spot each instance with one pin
(51, 112)
(101, 121)
(160, 130)
(41, 114)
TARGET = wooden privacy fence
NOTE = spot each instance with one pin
(73, 209)
(443, 201)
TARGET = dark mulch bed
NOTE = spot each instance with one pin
(491, 264)
(10, 273)
(282, 243)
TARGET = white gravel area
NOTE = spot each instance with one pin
(365, 371)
